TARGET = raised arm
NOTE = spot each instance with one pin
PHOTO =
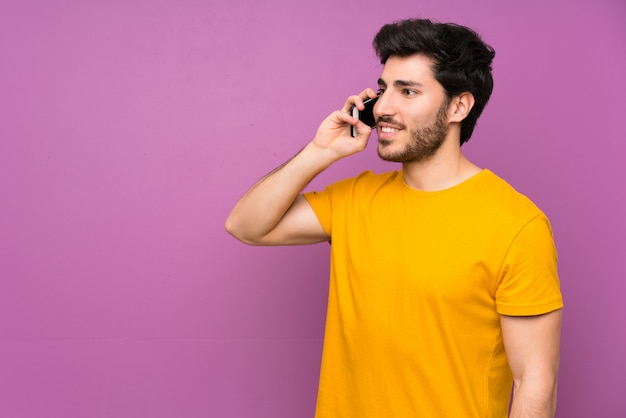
(273, 212)
(532, 346)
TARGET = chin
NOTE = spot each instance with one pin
(387, 152)
(390, 156)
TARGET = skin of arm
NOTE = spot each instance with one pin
(532, 346)
(273, 212)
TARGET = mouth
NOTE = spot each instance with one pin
(387, 130)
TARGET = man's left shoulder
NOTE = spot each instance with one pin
(507, 201)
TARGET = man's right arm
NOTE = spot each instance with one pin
(273, 212)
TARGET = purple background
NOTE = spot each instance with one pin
(128, 129)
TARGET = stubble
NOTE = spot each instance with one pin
(425, 141)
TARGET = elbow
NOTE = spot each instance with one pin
(238, 232)
(228, 226)
(231, 227)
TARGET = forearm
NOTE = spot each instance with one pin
(263, 206)
(534, 399)
(532, 345)
(271, 213)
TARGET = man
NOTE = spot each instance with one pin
(444, 291)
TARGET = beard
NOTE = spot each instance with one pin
(425, 141)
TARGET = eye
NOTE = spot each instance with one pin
(409, 92)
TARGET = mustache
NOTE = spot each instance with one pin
(389, 120)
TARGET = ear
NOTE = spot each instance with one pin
(461, 106)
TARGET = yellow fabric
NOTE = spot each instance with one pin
(418, 280)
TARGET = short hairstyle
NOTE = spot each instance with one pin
(462, 60)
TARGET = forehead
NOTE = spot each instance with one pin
(416, 68)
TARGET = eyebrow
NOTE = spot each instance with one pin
(401, 83)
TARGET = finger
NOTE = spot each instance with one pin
(343, 117)
(356, 100)
(363, 131)
(369, 93)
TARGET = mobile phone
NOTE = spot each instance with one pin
(366, 115)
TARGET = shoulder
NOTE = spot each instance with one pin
(365, 182)
(497, 208)
(341, 196)
(344, 193)
(368, 178)
(505, 198)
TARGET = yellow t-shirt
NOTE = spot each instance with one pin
(418, 281)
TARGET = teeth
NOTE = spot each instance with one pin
(387, 129)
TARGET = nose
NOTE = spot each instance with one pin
(383, 106)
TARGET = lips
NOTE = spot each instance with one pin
(388, 129)
(388, 125)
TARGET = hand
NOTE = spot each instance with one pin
(334, 135)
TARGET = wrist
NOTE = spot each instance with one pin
(320, 156)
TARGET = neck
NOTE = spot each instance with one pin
(447, 168)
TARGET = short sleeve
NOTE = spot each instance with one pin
(528, 280)
(321, 204)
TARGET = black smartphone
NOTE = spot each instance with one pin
(366, 115)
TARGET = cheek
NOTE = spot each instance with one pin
(424, 116)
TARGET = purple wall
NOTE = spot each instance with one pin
(129, 128)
